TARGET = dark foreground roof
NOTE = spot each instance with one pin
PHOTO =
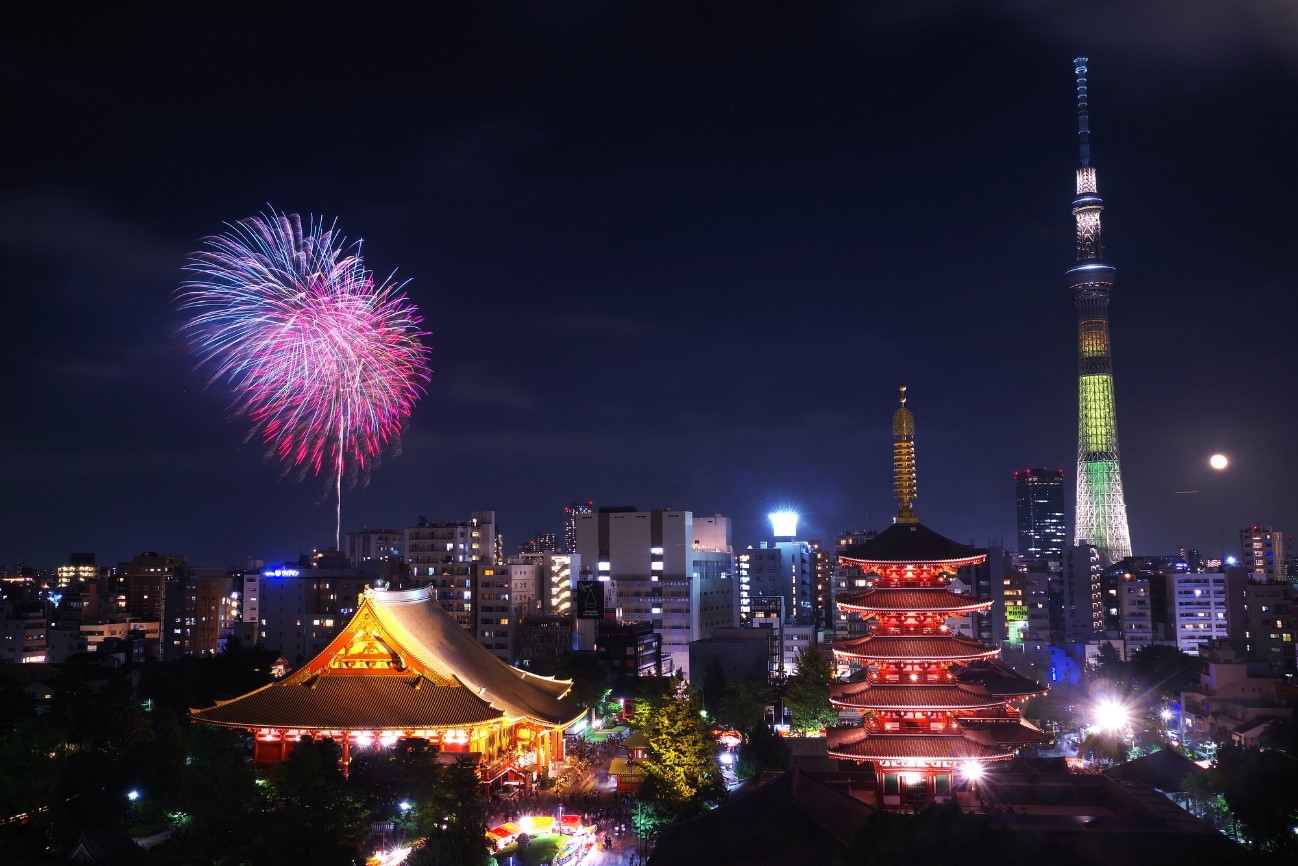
(1165, 770)
(795, 820)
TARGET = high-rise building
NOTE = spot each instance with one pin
(432, 544)
(783, 567)
(542, 542)
(370, 544)
(1199, 609)
(1261, 553)
(570, 515)
(670, 568)
(304, 604)
(1260, 619)
(145, 579)
(1039, 504)
(1101, 507)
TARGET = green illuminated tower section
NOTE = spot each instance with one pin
(1101, 509)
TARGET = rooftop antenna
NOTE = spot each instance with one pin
(1083, 113)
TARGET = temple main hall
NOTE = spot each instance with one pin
(402, 669)
(935, 707)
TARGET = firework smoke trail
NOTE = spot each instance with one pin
(325, 363)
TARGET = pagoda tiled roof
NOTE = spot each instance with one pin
(914, 647)
(400, 663)
(998, 678)
(888, 696)
(918, 600)
(909, 542)
(858, 745)
(1004, 733)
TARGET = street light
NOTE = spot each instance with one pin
(1111, 715)
(133, 795)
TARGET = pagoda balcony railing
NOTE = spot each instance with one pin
(1008, 715)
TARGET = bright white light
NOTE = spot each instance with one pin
(1111, 715)
(1166, 714)
(404, 805)
(972, 770)
(727, 758)
(784, 524)
(1218, 461)
(132, 795)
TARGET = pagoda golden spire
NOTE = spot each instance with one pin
(903, 460)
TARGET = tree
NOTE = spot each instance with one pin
(1109, 665)
(806, 694)
(451, 815)
(744, 704)
(762, 750)
(681, 772)
(1165, 670)
(714, 686)
(1261, 789)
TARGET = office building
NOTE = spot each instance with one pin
(667, 567)
(1262, 553)
(1039, 507)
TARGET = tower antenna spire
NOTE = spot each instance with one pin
(1083, 112)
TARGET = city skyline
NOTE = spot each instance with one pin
(665, 261)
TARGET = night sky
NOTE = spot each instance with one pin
(666, 258)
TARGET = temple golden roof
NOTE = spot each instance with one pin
(401, 663)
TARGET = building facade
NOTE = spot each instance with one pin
(1262, 553)
(670, 568)
(1039, 509)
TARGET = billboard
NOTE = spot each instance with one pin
(589, 600)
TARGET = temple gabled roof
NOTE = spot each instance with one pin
(401, 663)
(910, 543)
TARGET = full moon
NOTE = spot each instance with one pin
(1218, 461)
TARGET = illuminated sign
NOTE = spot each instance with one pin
(281, 572)
(1016, 612)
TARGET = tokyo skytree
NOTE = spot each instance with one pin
(1101, 518)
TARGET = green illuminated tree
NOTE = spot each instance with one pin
(806, 695)
(681, 772)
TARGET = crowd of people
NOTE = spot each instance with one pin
(582, 788)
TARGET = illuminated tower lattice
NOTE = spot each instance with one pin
(1101, 508)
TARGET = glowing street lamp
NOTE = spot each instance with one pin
(972, 771)
(133, 795)
(1111, 715)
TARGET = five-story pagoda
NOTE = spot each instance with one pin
(935, 706)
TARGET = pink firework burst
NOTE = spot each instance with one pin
(326, 363)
